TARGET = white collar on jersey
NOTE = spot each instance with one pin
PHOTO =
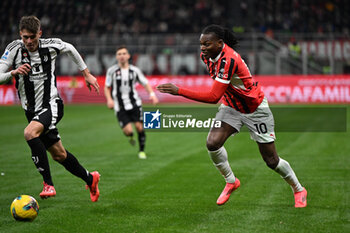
(218, 56)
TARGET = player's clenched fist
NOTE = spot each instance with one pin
(23, 69)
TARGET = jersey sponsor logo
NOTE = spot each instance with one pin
(37, 73)
(37, 77)
(37, 69)
(5, 55)
(151, 120)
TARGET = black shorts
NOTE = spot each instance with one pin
(127, 116)
(49, 117)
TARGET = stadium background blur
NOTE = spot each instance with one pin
(163, 36)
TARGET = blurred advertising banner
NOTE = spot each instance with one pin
(306, 89)
(8, 95)
(278, 89)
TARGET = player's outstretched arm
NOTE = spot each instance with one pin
(212, 96)
(90, 80)
(168, 88)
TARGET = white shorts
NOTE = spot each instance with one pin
(260, 123)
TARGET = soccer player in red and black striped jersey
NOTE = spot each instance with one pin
(243, 103)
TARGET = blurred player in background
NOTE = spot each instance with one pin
(243, 104)
(33, 65)
(121, 95)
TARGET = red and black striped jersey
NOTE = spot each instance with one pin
(242, 93)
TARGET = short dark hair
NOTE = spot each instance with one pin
(222, 33)
(121, 47)
(30, 23)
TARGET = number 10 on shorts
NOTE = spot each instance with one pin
(261, 128)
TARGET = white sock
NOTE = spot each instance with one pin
(219, 157)
(284, 169)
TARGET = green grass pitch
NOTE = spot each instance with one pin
(176, 188)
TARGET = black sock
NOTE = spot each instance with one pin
(73, 166)
(39, 157)
(142, 140)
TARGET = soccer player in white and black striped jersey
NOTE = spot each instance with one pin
(33, 66)
(121, 95)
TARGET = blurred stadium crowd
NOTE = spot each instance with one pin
(275, 36)
(60, 17)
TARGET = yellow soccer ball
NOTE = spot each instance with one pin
(24, 208)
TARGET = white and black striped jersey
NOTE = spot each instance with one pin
(122, 83)
(38, 89)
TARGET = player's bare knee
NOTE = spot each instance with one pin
(128, 133)
(30, 134)
(139, 129)
(272, 161)
(213, 145)
(59, 156)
